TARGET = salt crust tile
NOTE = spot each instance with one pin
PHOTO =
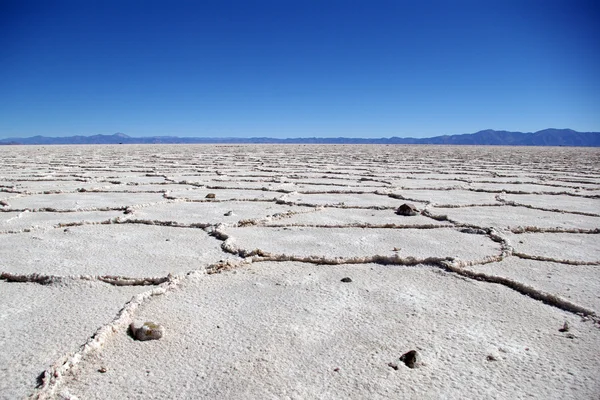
(332, 216)
(577, 247)
(334, 188)
(19, 220)
(577, 283)
(451, 174)
(276, 330)
(201, 178)
(346, 199)
(525, 187)
(41, 323)
(557, 202)
(131, 250)
(451, 197)
(54, 185)
(210, 212)
(364, 242)
(369, 181)
(238, 185)
(142, 180)
(83, 201)
(506, 179)
(428, 183)
(141, 188)
(508, 217)
(225, 194)
(575, 180)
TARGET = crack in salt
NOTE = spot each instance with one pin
(53, 376)
(110, 279)
(555, 260)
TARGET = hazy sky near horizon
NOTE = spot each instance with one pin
(297, 68)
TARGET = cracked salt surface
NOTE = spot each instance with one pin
(339, 217)
(557, 202)
(83, 201)
(366, 200)
(213, 212)
(362, 245)
(456, 197)
(123, 250)
(25, 220)
(225, 194)
(561, 247)
(577, 283)
(39, 324)
(281, 329)
(93, 238)
(517, 218)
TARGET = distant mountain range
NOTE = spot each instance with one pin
(546, 137)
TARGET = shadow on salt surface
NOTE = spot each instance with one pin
(332, 216)
(361, 245)
(130, 250)
(21, 220)
(211, 213)
(577, 283)
(560, 247)
(83, 201)
(276, 330)
(509, 217)
(451, 197)
(41, 323)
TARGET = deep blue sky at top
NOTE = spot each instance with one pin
(297, 68)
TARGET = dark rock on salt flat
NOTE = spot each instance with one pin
(346, 280)
(411, 359)
(407, 209)
(147, 331)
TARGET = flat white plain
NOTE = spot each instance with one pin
(247, 283)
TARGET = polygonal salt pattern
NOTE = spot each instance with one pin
(17, 221)
(88, 201)
(501, 253)
(41, 323)
(131, 250)
(577, 283)
(517, 218)
(563, 247)
(574, 204)
(214, 212)
(278, 329)
(362, 245)
(340, 217)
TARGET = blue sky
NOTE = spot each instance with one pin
(297, 68)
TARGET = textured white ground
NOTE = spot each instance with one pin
(248, 284)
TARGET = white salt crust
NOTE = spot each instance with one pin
(502, 254)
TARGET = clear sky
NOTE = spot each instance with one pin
(297, 68)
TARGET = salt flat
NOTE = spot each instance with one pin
(239, 252)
